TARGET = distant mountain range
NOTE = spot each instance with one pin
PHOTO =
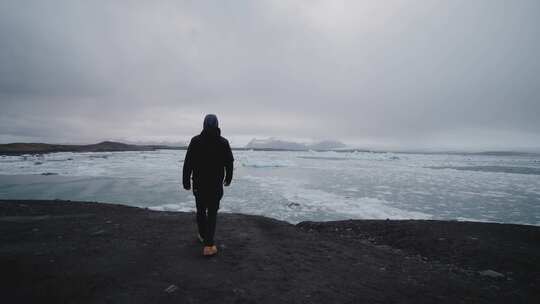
(255, 144)
(278, 144)
(157, 143)
(105, 146)
(112, 146)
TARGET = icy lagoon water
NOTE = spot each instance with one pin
(296, 186)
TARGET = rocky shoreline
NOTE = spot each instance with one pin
(62, 251)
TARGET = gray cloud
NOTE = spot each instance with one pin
(429, 74)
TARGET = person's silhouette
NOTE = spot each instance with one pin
(209, 164)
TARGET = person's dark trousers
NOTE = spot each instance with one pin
(207, 207)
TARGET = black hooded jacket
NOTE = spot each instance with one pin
(209, 161)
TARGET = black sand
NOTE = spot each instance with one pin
(68, 252)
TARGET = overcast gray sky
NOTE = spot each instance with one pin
(401, 74)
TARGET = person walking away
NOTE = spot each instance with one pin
(208, 166)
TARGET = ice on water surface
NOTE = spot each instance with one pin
(296, 186)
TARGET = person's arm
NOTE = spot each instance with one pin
(188, 167)
(229, 160)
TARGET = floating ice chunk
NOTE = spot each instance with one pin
(173, 207)
(491, 273)
(468, 219)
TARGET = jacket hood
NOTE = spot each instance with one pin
(210, 121)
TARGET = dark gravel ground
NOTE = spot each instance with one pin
(72, 252)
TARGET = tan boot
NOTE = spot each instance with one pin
(209, 250)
